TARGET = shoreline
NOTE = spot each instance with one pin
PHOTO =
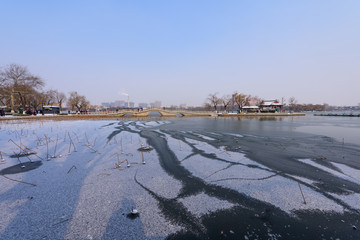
(121, 117)
(262, 115)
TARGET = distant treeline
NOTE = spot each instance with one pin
(306, 107)
(20, 90)
(238, 101)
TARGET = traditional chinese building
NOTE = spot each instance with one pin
(271, 105)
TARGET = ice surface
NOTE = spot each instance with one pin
(260, 184)
(87, 190)
(351, 199)
(79, 193)
(180, 148)
(336, 173)
(235, 135)
(201, 204)
(223, 153)
(349, 171)
(204, 137)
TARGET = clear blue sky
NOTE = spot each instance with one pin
(180, 51)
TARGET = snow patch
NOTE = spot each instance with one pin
(202, 204)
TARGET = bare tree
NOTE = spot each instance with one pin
(207, 106)
(2, 100)
(4, 97)
(214, 100)
(283, 101)
(247, 100)
(49, 97)
(256, 100)
(240, 99)
(17, 83)
(36, 100)
(60, 98)
(77, 101)
(226, 100)
(292, 103)
(2, 78)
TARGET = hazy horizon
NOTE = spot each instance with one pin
(181, 51)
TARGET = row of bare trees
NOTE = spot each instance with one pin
(19, 88)
(307, 107)
(237, 99)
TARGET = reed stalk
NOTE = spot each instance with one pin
(121, 146)
(54, 156)
(73, 166)
(18, 180)
(77, 138)
(302, 193)
(47, 148)
(18, 158)
(73, 146)
(87, 140)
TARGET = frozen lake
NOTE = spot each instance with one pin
(195, 178)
